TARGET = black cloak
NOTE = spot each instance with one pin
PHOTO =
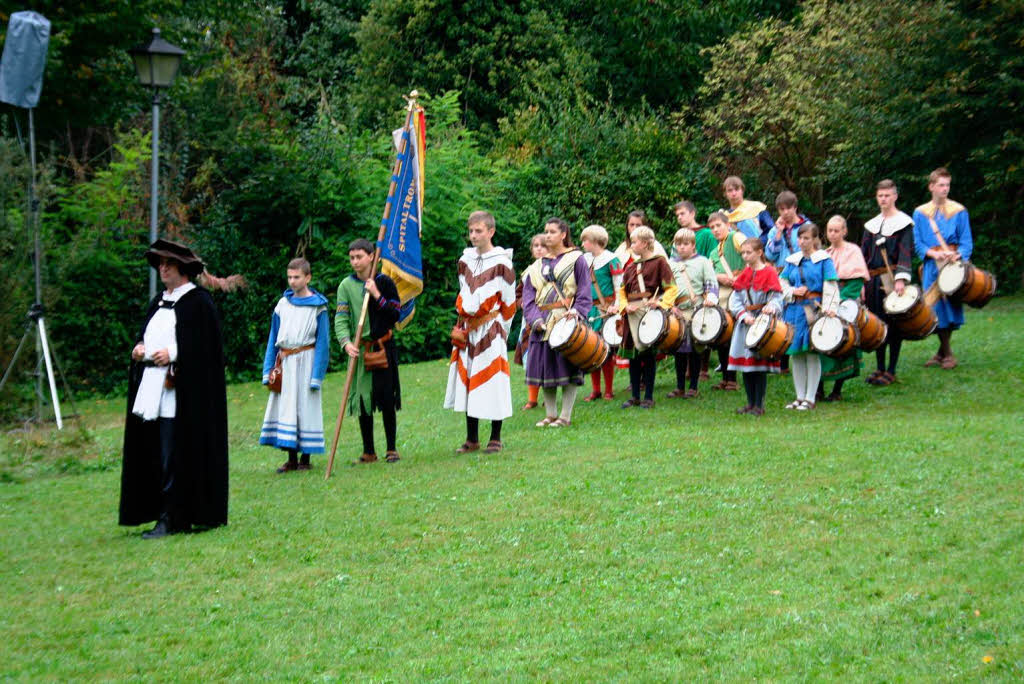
(200, 424)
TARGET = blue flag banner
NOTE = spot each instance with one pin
(400, 255)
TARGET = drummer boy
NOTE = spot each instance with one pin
(697, 284)
(605, 280)
(643, 280)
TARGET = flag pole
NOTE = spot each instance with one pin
(352, 362)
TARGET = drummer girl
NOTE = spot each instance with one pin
(808, 279)
(757, 290)
(647, 275)
(605, 280)
(556, 286)
(852, 272)
(537, 251)
(695, 279)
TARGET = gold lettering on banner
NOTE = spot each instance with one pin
(407, 202)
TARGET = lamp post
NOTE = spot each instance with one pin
(157, 64)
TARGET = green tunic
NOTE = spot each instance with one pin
(730, 251)
(381, 317)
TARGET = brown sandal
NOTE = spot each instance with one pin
(392, 457)
(949, 362)
(468, 447)
(365, 458)
(494, 446)
(676, 394)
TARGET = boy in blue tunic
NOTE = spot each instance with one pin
(942, 216)
(782, 239)
(299, 335)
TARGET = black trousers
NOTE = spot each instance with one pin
(173, 513)
(366, 428)
(642, 368)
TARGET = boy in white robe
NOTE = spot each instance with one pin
(478, 377)
(299, 335)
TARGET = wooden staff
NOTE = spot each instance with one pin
(353, 362)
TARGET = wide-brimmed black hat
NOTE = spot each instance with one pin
(190, 264)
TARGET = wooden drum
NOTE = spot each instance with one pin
(873, 329)
(964, 282)
(711, 326)
(833, 336)
(769, 336)
(578, 343)
(659, 328)
(914, 319)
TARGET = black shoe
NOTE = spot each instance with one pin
(161, 530)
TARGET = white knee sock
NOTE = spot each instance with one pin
(549, 401)
(568, 399)
(813, 376)
(798, 367)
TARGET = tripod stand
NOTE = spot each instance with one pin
(35, 323)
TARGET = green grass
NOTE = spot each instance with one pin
(878, 539)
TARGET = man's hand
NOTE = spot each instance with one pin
(138, 352)
(371, 287)
(352, 350)
(800, 291)
(162, 357)
(633, 307)
(748, 319)
(899, 286)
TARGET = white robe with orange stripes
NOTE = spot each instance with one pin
(478, 378)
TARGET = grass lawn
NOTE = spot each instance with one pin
(880, 539)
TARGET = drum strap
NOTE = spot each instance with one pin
(689, 284)
(938, 236)
(721, 258)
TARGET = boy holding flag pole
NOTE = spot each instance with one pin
(398, 254)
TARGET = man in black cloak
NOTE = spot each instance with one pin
(175, 463)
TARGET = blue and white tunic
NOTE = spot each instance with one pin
(294, 418)
(818, 274)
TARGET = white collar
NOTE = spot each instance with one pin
(796, 257)
(177, 293)
(600, 261)
(471, 253)
(888, 226)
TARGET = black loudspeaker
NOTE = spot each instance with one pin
(24, 58)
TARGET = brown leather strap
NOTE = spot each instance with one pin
(369, 344)
(632, 297)
(878, 271)
(754, 307)
(477, 321)
(804, 297)
(288, 352)
(551, 306)
(597, 288)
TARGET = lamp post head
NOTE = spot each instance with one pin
(157, 61)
